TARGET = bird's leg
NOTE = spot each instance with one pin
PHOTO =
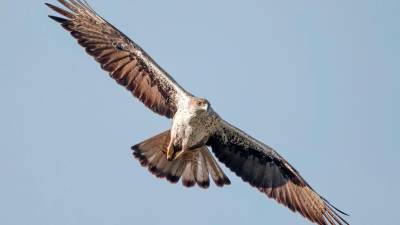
(170, 151)
(180, 153)
(185, 149)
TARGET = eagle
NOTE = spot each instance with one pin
(182, 152)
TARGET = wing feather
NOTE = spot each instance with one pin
(126, 62)
(265, 169)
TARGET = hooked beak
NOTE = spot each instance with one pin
(207, 107)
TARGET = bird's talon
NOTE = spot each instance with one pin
(170, 153)
(179, 154)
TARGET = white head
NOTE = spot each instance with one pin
(199, 104)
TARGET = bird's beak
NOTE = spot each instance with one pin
(207, 107)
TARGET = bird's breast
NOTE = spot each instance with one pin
(189, 129)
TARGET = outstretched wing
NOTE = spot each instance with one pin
(266, 170)
(126, 62)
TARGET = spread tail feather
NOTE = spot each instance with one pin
(193, 166)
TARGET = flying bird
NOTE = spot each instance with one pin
(182, 153)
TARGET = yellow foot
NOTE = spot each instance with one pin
(170, 152)
(179, 154)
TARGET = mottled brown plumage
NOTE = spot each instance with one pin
(182, 153)
(126, 62)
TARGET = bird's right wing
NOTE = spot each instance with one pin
(126, 62)
(264, 169)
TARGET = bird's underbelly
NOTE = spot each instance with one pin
(187, 131)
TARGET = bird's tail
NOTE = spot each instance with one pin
(194, 166)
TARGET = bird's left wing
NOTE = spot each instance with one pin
(264, 169)
(126, 62)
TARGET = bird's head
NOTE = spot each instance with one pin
(199, 104)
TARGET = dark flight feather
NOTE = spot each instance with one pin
(264, 169)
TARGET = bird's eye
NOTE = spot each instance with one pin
(199, 103)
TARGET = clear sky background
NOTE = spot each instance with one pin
(317, 80)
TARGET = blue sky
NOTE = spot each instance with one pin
(319, 81)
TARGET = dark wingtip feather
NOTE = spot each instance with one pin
(340, 211)
(153, 169)
(159, 174)
(138, 155)
(223, 181)
(334, 214)
(173, 179)
(134, 148)
(136, 152)
(58, 19)
(219, 183)
(69, 6)
(60, 10)
(204, 184)
(48, 4)
(188, 183)
(227, 181)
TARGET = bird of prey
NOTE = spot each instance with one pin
(182, 152)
